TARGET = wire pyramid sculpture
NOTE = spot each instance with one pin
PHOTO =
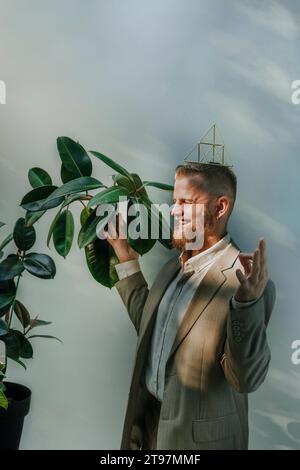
(210, 149)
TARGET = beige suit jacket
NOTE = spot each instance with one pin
(218, 357)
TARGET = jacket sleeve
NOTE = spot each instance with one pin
(247, 355)
(134, 292)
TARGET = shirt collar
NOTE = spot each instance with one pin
(199, 261)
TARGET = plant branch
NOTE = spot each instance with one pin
(15, 297)
(13, 304)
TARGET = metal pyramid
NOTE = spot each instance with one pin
(210, 149)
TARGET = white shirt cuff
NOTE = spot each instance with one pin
(237, 304)
(127, 268)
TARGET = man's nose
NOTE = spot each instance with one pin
(177, 210)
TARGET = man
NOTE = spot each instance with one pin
(202, 344)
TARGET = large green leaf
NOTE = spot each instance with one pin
(40, 265)
(87, 232)
(125, 182)
(24, 237)
(68, 200)
(7, 287)
(9, 268)
(1, 224)
(6, 241)
(166, 187)
(66, 175)
(74, 157)
(84, 183)
(139, 188)
(63, 233)
(39, 177)
(159, 222)
(108, 196)
(141, 222)
(72, 198)
(22, 313)
(26, 351)
(3, 328)
(5, 301)
(3, 400)
(120, 169)
(51, 228)
(32, 217)
(84, 215)
(12, 344)
(36, 199)
(7, 295)
(93, 225)
(101, 260)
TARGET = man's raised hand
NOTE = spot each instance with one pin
(119, 242)
(254, 280)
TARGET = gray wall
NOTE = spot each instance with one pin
(141, 81)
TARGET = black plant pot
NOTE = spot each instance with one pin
(12, 419)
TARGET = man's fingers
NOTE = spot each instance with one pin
(246, 262)
(106, 235)
(263, 259)
(246, 255)
(263, 253)
(121, 226)
(256, 266)
(241, 277)
(112, 231)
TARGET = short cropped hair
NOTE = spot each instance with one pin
(214, 178)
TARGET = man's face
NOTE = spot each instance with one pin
(193, 214)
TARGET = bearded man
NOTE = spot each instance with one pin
(202, 343)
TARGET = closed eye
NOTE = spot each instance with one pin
(184, 201)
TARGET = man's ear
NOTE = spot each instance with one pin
(222, 206)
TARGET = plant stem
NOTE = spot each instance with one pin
(11, 310)
(14, 301)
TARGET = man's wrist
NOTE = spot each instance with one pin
(124, 260)
(237, 304)
(244, 300)
(127, 268)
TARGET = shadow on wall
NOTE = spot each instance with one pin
(277, 419)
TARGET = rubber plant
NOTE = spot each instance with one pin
(18, 341)
(77, 183)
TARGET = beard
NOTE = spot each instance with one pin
(179, 239)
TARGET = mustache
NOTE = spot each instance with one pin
(177, 220)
